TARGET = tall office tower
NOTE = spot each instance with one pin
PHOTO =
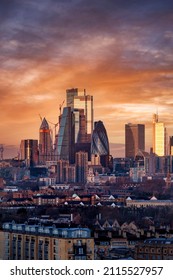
(134, 139)
(159, 137)
(82, 142)
(171, 145)
(81, 162)
(81, 100)
(65, 172)
(85, 102)
(45, 143)
(81, 105)
(70, 94)
(100, 144)
(62, 171)
(29, 152)
(80, 126)
(65, 145)
(72, 173)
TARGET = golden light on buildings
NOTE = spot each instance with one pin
(159, 137)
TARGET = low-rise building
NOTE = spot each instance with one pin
(153, 202)
(155, 249)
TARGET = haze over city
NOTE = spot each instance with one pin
(119, 51)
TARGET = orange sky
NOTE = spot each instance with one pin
(119, 51)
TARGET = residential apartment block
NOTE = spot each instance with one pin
(155, 249)
(36, 242)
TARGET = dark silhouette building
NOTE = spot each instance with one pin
(171, 145)
(134, 139)
(81, 162)
(29, 152)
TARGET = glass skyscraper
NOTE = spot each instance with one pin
(159, 137)
(70, 95)
(65, 145)
(81, 106)
(99, 143)
(85, 102)
(78, 100)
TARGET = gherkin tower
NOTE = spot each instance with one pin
(99, 142)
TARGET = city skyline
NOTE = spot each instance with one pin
(119, 51)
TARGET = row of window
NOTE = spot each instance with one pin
(156, 250)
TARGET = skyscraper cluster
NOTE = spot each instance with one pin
(79, 141)
(75, 126)
(159, 160)
(135, 139)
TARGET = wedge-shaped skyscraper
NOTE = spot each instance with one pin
(65, 145)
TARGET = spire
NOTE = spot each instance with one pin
(44, 124)
(155, 118)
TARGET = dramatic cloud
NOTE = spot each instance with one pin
(119, 50)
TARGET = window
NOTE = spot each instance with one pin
(79, 242)
(80, 251)
(80, 257)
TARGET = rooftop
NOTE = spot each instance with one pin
(47, 230)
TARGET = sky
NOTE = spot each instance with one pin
(120, 51)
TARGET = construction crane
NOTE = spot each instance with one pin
(40, 117)
(1, 152)
(55, 126)
(60, 107)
